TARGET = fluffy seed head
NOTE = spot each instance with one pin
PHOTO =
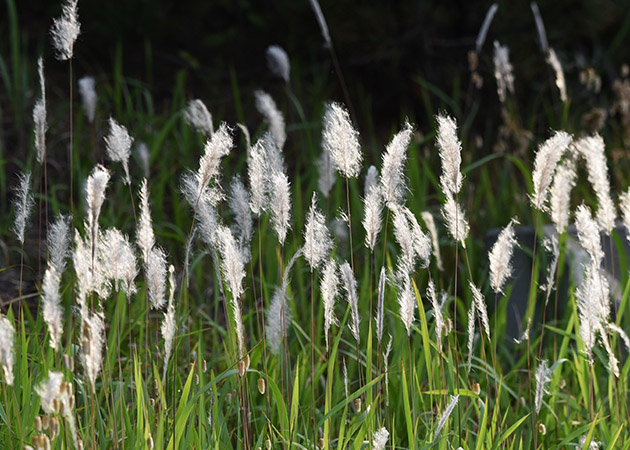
(7, 350)
(198, 117)
(156, 277)
(143, 154)
(503, 70)
(22, 205)
(65, 30)
(560, 194)
(450, 149)
(329, 283)
(445, 415)
(588, 234)
(257, 175)
(437, 313)
(407, 302)
(239, 205)
(471, 334)
(278, 62)
(350, 288)
(543, 377)
(392, 182)
(92, 345)
(39, 116)
(144, 234)
(276, 323)
(591, 148)
(435, 242)
(231, 260)
(480, 305)
(554, 62)
(119, 260)
(88, 97)
(500, 257)
(95, 195)
(280, 204)
(268, 108)
(421, 242)
(118, 146)
(52, 309)
(317, 240)
(372, 219)
(218, 146)
(624, 206)
(380, 304)
(456, 222)
(59, 243)
(341, 140)
(169, 327)
(547, 158)
(380, 438)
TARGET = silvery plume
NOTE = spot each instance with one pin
(22, 205)
(93, 332)
(317, 240)
(322, 22)
(500, 257)
(450, 149)
(371, 180)
(328, 287)
(95, 196)
(278, 62)
(88, 97)
(445, 415)
(372, 216)
(327, 173)
(589, 235)
(456, 222)
(59, 243)
(380, 438)
(407, 303)
(624, 206)
(592, 149)
(392, 182)
(380, 304)
(543, 377)
(39, 115)
(51, 306)
(7, 349)
(257, 177)
(280, 204)
(480, 306)
(560, 194)
(198, 117)
(435, 242)
(145, 239)
(485, 26)
(156, 277)
(341, 140)
(118, 260)
(118, 146)
(169, 327)
(238, 201)
(56, 397)
(503, 70)
(437, 313)
(349, 284)
(545, 163)
(269, 110)
(65, 30)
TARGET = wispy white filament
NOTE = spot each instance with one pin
(543, 377)
(500, 258)
(437, 313)
(39, 115)
(480, 305)
(59, 243)
(169, 327)
(407, 303)
(198, 117)
(547, 158)
(592, 150)
(215, 149)
(118, 146)
(445, 415)
(456, 222)
(328, 286)
(239, 205)
(156, 277)
(560, 194)
(95, 194)
(144, 234)
(450, 149)
(483, 31)
(435, 242)
(624, 207)
(52, 309)
(471, 334)
(392, 182)
(65, 30)
(118, 260)
(350, 288)
(589, 234)
(268, 108)
(322, 23)
(341, 140)
(503, 70)
(317, 240)
(380, 304)
(540, 27)
(22, 205)
(88, 97)
(372, 216)
(554, 62)
(7, 349)
(257, 177)
(278, 62)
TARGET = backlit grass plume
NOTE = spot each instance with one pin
(65, 30)
(503, 70)
(88, 97)
(427, 217)
(39, 115)
(7, 349)
(349, 284)
(317, 240)
(456, 222)
(392, 181)
(169, 326)
(327, 173)
(59, 243)
(198, 117)
(450, 149)
(278, 62)
(118, 146)
(22, 205)
(280, 204)
(329, 289)
(269, 110)
(341, 140)
(545, 163)
(560, 194)
(372, 216)
(52, 309)
(500, 257)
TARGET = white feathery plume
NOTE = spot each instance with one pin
(248, 139)
(435, 242)
(317, 240)
(118, 260)
(456, 223)
(551, 247)
(341, 140)
(257, 176)
(500, 257)
(22, 205)
(421, 242)
(380, 305)
(82, 263)
(405, 239)
(327, 173)
(7, 350)
(560, 194)
(39, 115)
(118, 146)
(407, 302)
(280, 204)
(371, 180)
(480, 305)
(198, 117)
(169, 327)
(380, 438)
(329, 283)
(471, 334)
(445, 415)
(322, 23)
(65, 30)
(156, 277)
(372, 218)
(612, 327)
(547, 158)
(274, 159)
(207, 221)
(588, 234)
(392, 182)
(52, 309)
(554, 62)
(238, 201)
(503, 70)
(485, 26)
(278, 62)
(88, 97)
(540, 28)
(437, 313)
(92, 345)
(59, 243)
(450, 149)
(543, 377)
(56, 397)
(624, 207)
(268, 108)
(145, 239)
(386, 361)
(592, 150)
(95, 195)
(350, 288)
